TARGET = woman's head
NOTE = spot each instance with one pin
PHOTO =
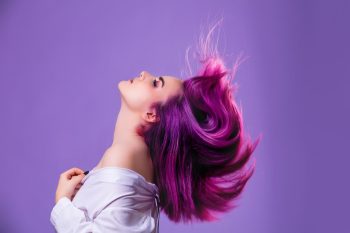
(196, 145)
(141, 93)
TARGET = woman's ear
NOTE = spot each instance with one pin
(151, 116)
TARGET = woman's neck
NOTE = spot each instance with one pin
(125, 135)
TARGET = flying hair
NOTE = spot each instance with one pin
(197, 146)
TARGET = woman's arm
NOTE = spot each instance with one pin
(67, 218)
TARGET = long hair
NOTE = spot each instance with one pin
(197, 145)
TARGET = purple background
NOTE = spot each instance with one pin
(61, 62)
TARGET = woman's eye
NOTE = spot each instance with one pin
(155, 83)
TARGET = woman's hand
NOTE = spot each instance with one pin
(69, 183)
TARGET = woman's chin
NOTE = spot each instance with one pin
(121, 83)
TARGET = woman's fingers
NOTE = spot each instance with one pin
(75, 180)
(69, 183)
(78, 186)
(76, 170)
(72, 172)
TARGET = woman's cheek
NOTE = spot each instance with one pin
(138, 102)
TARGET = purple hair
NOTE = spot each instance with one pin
(197, 146)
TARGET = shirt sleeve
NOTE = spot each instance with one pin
(67, 218)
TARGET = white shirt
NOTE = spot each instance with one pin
(111, 199)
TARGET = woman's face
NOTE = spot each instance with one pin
(139, 93)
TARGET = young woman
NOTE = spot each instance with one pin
(178, 147)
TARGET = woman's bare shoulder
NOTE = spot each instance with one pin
(119, 157)
(116, 156)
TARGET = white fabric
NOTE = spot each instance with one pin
(111, 199)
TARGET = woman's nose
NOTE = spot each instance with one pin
(144, 74)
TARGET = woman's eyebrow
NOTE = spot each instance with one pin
(162, 79)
